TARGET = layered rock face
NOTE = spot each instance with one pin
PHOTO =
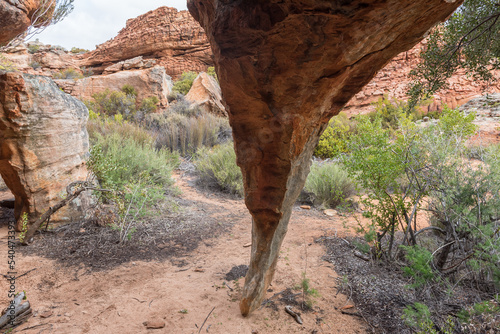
(285, 68)
(16, 16)
(150, 82)
(205, 94)
(394, 78)
(173, 38)
(44, 143)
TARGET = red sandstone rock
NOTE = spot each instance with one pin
(43, 143)
(285, 68)
(205, 94)
(16, 16)
(173, 38)
(149, 82)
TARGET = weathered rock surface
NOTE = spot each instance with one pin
(487, 110)
(393, 81)
(149, 82)
(285, 68)
(16, 16)
(43, 143)
(173, 38)
(205, 94)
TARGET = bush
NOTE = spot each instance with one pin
(35, 65)
(99, 126)
(6, 64)
(69, 73)
(129, 90)
(419, 267)
(183, 85)
(78, 50)
(148, 105)
(329, 184)
(333, 141)
(112, 102)
(212, 73)
(217, 167)
(33, 48)
(186, 135)
(87, 72)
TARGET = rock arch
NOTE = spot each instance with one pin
(285, 68)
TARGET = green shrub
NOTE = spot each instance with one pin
(183, 85)
(112, 102)
(329, 184)
(99, 126)
(129, 90)
(217, 167)
(212, 73)
(419, 267)
(68, 73)
(148, 105)
(334, 139)
(87, 72)
(35, 65)
(78, 50)
(33, 48)
(6, 64)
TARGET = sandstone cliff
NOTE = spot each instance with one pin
(16, 16)
(43, 143)
(171, 37)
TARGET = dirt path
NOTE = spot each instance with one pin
(121, 299)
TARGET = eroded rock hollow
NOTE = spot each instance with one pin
(285, 68)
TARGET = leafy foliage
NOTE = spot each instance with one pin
(470, 39)
(329, 184)
(419, 267)
(183, 85)
(333, 141)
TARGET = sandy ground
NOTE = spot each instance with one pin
(122, 299)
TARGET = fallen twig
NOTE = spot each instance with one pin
(203, 324)
(295, 315)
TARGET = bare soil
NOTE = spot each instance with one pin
(176, 269)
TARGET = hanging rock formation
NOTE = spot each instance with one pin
(285, 68)
(16, 16)
(43, 144)
(173, 38)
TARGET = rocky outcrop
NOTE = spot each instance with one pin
(171, 37)
(149, 82)
(16, 17)
(394, 78)
(205, 94)
(44, 143)
(285, 68)
(487, 110)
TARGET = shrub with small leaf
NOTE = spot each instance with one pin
(68, 73)
(217, 167)
(328, 184)
(183, 85)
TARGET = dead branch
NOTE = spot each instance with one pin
(21, 312)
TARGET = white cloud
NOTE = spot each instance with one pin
(95, 21)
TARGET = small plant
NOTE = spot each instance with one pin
(87, 72)
(217, 167)
(148, 105)
(78, 50)
(68, 73)
(419, 267)
(33, 48)
(35, 65)
(183, 85)
(329, 184)
(183, 311)
(212, 73)
(129, 90)
(113, 102)
(6, 64)
(308, 293)
(24, 226)
(418, 317)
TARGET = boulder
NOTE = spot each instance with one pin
(148, 82)
(171, 37)
(205, 94)
(285, 68)
(43, 144)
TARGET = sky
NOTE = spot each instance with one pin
(93, 22)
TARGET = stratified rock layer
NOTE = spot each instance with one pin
(285, 68)
(43, 143)
(171, 37)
